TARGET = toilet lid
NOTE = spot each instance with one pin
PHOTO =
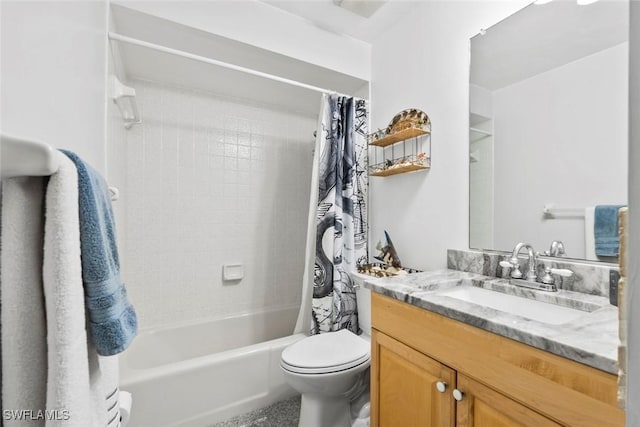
(323, 353)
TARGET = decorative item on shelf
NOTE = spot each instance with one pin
(403, 164)
(407, 119)
(375, 136)
(408, 124)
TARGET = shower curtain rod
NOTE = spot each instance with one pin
(160, 48)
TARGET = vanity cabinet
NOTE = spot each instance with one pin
(420, 358)
(406, 392)
(482, 406)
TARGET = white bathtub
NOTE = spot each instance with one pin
(197, 374)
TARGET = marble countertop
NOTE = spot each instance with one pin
(591, 339)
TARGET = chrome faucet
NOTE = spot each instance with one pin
(556, 249)
(516, 273)
(531, 278)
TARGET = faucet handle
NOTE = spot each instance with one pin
(515, 272)
(506, 264)
(548, 279)
(564, 272)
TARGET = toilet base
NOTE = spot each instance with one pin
(320, 411)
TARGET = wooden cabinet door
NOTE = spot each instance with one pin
(403, 387)
(482, 406)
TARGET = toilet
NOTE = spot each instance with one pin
(330, 370)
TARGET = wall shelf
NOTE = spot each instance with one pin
(398, 137)
(399, 169)
(408, 149)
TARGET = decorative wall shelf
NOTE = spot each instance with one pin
(405, 146)
(399, 136)
(399, 169)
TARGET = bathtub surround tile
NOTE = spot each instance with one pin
(208, 181)
(589, 278)
(285, 413)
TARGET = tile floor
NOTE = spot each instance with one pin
(281, 414)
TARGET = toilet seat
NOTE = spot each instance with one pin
(326, 353)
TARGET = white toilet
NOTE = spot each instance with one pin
(329, 370)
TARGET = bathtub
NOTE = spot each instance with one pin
(200, 373)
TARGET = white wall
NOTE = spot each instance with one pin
(213, 181)
(256, 23)
(481, 185)
(633, 265)
(53, 57)
(480, 101)
(572, 155)
(423, 62)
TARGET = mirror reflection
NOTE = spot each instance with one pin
(548, 125)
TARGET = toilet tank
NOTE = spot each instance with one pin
(363, 299)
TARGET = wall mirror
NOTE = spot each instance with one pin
(548, 124)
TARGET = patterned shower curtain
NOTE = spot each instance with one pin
(341, 236)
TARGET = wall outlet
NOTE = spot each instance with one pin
(614, 276)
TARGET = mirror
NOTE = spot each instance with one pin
(548, 124)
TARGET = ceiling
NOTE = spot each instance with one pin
(543, 37)
(360, 19)
(142, 63)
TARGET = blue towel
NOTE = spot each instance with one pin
(112, 320)
(605, 230)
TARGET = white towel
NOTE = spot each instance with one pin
(50, 374)
(79, 381)
(24, 354)
(68, 377)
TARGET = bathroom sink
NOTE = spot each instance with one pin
(524, 307)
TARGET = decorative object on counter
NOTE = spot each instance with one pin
(391, 264)
(406, 127)
(388, 253)
(384, 270)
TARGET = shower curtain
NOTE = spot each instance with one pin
(337, 227)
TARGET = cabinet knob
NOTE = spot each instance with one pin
(441, 386)
(457, 394)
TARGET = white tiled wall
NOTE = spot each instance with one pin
(211, 181)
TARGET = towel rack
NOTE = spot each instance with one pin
(551, 211)
(23, 157)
